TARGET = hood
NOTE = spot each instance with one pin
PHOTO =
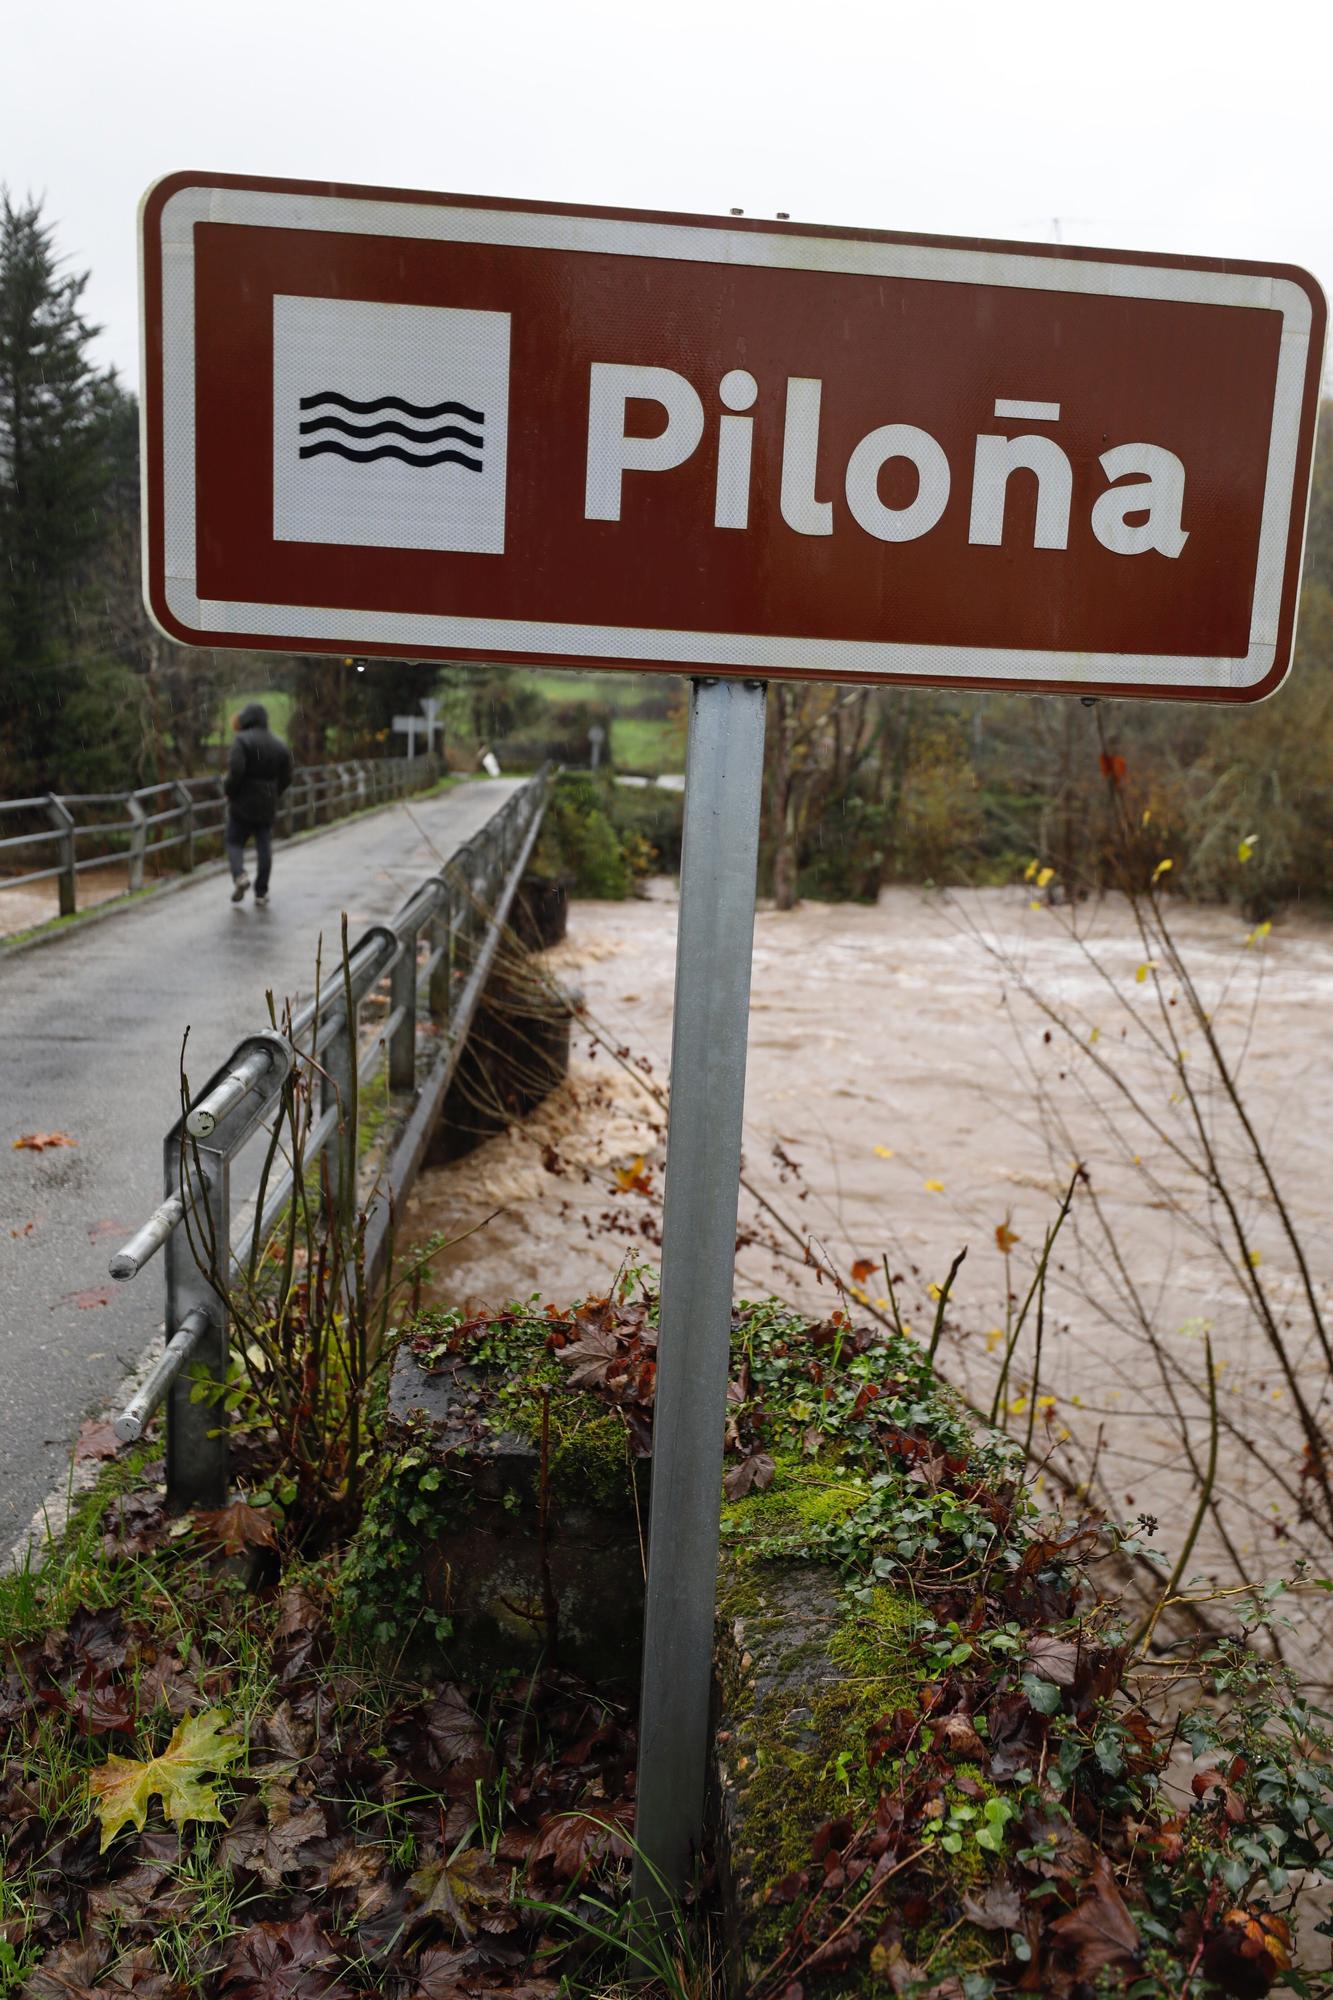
(253, 716)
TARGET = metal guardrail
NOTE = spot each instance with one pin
(436, 955)
(182, 815)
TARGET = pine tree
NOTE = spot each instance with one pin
(54, 469)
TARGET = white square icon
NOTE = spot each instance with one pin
(390, 424)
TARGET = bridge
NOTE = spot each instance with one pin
(91, 1029)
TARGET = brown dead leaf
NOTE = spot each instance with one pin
(96, 1440)
(956, 1737)
(753, 1474)
(236, 1527)
(570, 1842)
(863, 1268)
(41, 1142)
(284, 1961)
(1100, 1931)
(998, 1908)
(68, 1973)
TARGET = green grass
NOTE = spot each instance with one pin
(277, 701)
(616, 691)
(641, 744)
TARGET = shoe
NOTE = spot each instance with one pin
(261, 902)
(242, 884)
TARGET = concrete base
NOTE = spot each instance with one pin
(518, 1587)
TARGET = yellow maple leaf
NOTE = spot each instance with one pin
(627, 1176)
(1256, 1259)
(884, 1152)
(934, 1187)
(1046, 875)
(200, 1748)
(1245, 848)
(1018, 1406)
(1030, 870)
(994, 1335)
(1161, 869)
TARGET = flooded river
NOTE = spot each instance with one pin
(923, 1076)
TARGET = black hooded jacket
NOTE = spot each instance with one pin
(259, 769)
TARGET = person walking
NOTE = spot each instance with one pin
(259, 771)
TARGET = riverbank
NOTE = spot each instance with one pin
(907, 1096)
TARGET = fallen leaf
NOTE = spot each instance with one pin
(295, 1960)
(1101, 1930)
(86, 1300)
(955, 1735)
(934, 1187)
(237, 1526)
(96, 1439)
(570, 1842)
(460, 1891)
(1053, 1659)
(754, 1473)
(38, 1142)
(999, 1908)
(1005, 1237)
(452, 1730)
(200, 1748)
(862, 1269)
(66, 1974)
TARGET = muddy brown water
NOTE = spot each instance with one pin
(907, 1096)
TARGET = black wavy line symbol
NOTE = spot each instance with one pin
(387, 427)
(394, 403)
(447, 457)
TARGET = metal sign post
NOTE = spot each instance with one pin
(723, 786)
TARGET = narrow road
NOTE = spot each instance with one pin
(90, 1035)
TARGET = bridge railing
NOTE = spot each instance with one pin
(71, 833)
(435, 957)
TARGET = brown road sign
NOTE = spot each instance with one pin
(454, 427)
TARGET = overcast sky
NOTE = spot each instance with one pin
(1171, 125)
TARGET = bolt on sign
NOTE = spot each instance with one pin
(454, 427)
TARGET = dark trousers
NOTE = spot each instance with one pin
(238, 832)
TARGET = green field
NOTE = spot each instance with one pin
(277, 701)
(614, 691)
(642, 744)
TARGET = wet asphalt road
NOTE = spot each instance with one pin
(90, 1034)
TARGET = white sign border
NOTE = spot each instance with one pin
(681, 241)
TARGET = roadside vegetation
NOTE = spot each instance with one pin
(220, 1775)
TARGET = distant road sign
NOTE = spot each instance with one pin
(455, 427)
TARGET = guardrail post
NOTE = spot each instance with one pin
(337, 1087)
(63, 820)
(185, 800)
(138, 839)
(440, 995)
(197, 1431)
(403, 993)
